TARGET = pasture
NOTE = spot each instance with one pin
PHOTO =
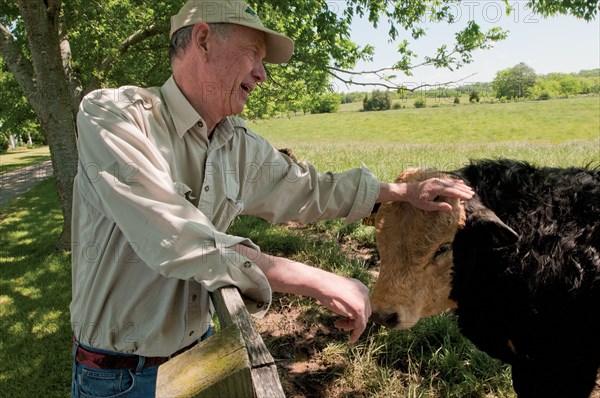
(554, 133)
(313, 358)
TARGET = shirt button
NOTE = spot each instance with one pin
(200, 124)
(247, 264)
(191, 333)
(194, 298)
(206, 188)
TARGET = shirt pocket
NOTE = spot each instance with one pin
(231, 210)
(184, 191)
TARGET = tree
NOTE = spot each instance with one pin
(36, 39)
(16, 115)
(379, 101)
(58, 50)
(326, 103)
(514, 82)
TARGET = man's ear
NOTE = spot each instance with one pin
(487, 226)
(200, 35)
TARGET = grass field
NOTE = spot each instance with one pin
(20, 158)
(554, 133)
(432, 360)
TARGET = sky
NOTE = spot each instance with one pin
(556, 44)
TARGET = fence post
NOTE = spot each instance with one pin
(232, 363)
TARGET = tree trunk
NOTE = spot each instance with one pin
(52, 100)
(53, 88)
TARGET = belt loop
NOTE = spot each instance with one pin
(140, 365)
(75, 347)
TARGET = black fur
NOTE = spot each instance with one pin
(532, 299)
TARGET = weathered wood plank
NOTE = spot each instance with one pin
(267, 383)
(232, 363)
(232, 311)
(215, 368)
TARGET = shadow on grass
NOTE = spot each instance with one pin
(35, 292)
(35, 158)
(23, 162)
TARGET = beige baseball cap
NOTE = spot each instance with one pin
(279, 46)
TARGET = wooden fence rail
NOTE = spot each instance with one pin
(232, 363)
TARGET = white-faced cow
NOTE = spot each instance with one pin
(520, 262)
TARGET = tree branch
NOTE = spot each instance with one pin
(17, 63)
(390, 85)
(75, 86)
(136, 38)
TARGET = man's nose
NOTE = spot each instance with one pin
(259, 73)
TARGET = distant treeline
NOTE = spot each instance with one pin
(518, 82)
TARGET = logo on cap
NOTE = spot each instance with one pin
(250, 11)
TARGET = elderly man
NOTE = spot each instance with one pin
(162, 174)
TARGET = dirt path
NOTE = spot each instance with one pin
(14, 183)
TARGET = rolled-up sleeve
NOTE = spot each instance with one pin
(123, 175)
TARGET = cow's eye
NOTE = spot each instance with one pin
(443, 249)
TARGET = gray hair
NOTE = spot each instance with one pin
(181, 39)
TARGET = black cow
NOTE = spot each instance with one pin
(520, 263)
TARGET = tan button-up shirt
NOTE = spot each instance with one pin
(152, 200)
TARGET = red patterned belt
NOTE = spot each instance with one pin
(98, 360)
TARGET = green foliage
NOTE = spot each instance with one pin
(566, 85)
(420, 103)
(326, 103)
(515, 82)
(16, 115)
(115, 43)
(570, 84)
(586, 10)
(3, 143)
(593, 73)
(98, 30)
(379, 101)
(347, 98)
(474, 96)
(457, 100)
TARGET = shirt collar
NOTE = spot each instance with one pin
(183, 114)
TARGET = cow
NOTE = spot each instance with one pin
(519, 264)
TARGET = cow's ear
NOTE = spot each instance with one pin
(485, 224)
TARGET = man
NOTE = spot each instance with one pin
(162, 174)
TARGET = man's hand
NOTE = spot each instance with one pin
(425, 195)
(349, 298)
(344, 296)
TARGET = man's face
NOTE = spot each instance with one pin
(236, 65)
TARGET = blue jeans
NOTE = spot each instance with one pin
(115, 383)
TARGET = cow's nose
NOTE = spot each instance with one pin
(389, 320)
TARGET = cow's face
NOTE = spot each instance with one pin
(416, 251)
(415, 248)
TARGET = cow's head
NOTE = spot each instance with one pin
(416, 251)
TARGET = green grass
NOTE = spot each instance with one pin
(553, 133)
(432, 360)
(16, 159)
(541, 121)
(35, 291)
